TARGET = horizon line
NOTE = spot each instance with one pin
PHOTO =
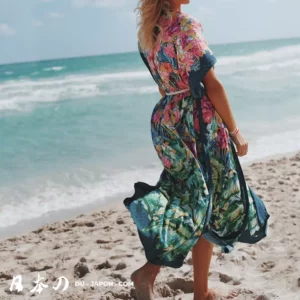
(127, 52)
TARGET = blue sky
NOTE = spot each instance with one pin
(44, 29)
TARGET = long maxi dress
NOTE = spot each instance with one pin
(201, 190)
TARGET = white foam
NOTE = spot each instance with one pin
(51, 196)
(275, 65)
(24, 92)
(280, 54)
(57, 69)
(20, 94)
(273, 144)
(282, 57)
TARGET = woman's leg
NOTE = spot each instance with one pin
(201, 255)
(143, 279)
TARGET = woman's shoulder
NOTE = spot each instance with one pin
(181, 23)
(188, 21)
(187, 17)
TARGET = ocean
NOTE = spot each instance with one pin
(75, 132)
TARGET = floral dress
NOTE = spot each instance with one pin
(201, 190)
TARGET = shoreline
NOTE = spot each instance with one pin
(114, 202)
(103, 246)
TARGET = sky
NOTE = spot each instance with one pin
(45, 29)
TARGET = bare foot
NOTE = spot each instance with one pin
(232, 294)
(143, 284)
(210, 295)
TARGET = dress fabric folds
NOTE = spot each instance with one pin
(202, 190)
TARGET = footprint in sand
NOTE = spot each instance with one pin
(269, 296)
(225, 278)
(239, 292)
(186, 285)
(124, 295)
(267, 266)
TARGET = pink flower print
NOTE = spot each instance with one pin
(164, 21)
(152, 65)
(165, 69)
(156, 117)
(182, 85)
(166, 37)
(166, 162)
(197, 26)
(150, 59)
(207, 110)
(166, 117)
(184, 40)
(167, 66)
(156, 47)
(169, 50)
(188, 60)
(167, 112)
(185, 77)
(198, 48)
(174, 28)
(176, 115)
(223, 138)
(181, 58)
(150, 56)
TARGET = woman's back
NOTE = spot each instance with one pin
(180, 47)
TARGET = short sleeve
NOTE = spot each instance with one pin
(193, 51)
(143, 56)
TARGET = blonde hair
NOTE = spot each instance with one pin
(149, 13)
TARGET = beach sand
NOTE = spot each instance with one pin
(104, 247)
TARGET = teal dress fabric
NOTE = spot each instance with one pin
(201, 190)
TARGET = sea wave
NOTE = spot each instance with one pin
(275, 65)
(56, 69)
(281, 54)
(19, 94)
(42, 198)
(16, 94)
(52, 196)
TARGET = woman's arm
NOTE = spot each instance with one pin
(218, 97)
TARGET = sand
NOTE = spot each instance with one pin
(103, 247)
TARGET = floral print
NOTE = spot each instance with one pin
(201, 190)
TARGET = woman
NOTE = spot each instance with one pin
(201, 198)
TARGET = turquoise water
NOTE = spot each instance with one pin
(76, 131)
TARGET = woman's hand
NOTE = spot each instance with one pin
(241, 144)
